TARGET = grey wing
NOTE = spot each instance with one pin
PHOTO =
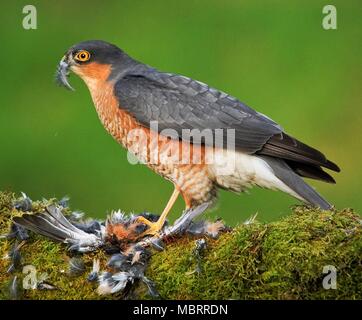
(177, 103)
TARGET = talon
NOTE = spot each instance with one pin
(145, 221)
(154, 228)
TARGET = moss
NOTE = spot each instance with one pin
(47, 257)
(279, 260)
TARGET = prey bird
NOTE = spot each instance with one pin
(130, 97)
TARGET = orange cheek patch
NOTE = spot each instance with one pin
(93, 70)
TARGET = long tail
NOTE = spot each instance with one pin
(305, 192)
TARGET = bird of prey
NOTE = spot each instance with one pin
(149, 112)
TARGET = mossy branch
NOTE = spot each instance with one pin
(279, 260)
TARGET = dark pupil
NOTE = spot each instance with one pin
(82, 55)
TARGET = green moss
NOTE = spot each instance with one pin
(279, 260)
(47, 257)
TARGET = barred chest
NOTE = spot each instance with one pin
(193, 180)
(117, 122)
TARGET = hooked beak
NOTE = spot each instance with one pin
(62, 74)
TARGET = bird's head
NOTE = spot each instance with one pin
(93, 61)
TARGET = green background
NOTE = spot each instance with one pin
(273, 55)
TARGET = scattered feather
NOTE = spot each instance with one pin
(182, 224)
(120, 235)
(157, 244)
(117, 261)
(20, 233)
(211, 229)
(15, 257)
(120, 281)
(43, 285)
(106, 283)
(76, 266)
(76, 215)
(93, 275)
(24, 203)
(151, 287)
(136, 257)
(17, 232)
(92, 226)
(251, 219)
(64, 202)
(140, 255)
(13, 289)
(197, 252)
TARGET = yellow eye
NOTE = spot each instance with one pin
(82, 56)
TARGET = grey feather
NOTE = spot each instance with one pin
(46, 286)
(76, 266)
(151, 287)
(15, 257)
(14, 289)
(64, 202)
(121, 279)
(117, 261)
(40, 224)
(178, 103)
(24, 203)
(53, 224)
(183, 223)
(283, 172)
(93, 275)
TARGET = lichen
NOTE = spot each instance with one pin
(279, 260)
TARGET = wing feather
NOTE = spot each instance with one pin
(177, 102)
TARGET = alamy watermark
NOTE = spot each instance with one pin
(329, 20)
(31, 278)
(190, 146)
(330, 17)
(30, 18)
(330, 280)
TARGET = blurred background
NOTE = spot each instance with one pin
(273, 55)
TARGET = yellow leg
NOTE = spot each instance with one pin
(155, 227)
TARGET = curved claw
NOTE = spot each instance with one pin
(154, 228)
